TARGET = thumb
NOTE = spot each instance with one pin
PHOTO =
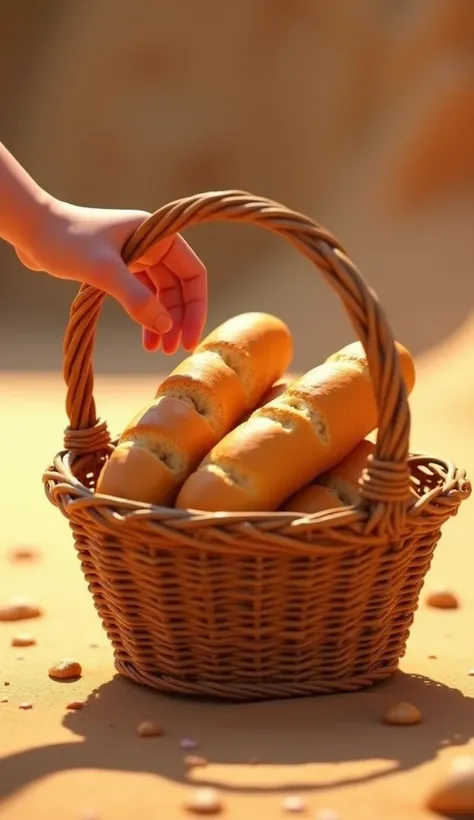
(142, 305)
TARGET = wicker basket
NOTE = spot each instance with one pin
(267, 605)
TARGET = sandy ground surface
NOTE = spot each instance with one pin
(332, 751)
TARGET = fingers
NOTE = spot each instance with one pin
(164, 282)
(171, 340)
(154, 254)
(140, 302)
(151, 340)
(178, 278)
(181, 260)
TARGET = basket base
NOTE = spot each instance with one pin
(247, 691)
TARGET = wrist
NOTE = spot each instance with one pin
(37, 213)
(24, 206)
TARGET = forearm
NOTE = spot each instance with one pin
(23, 204)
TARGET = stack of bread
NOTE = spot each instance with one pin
(230, 430)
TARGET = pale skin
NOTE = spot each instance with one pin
(165, 291)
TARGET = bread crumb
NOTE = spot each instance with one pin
(65, 670)
(204, 801)
(195, 761)
(23, 553)
(148, 728)
(402, 714)
(442, 599)
(23, 639)
(75, 705)
(454, 796)
(25, 705)
(4, 700)
(294, 803)
(19, 609)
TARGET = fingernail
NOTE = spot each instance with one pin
(163, 324)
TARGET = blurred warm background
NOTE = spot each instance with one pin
(357, 112)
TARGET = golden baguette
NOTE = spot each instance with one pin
(199, 402)
(286, 443)
(338, 487)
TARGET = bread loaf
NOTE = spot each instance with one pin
(273, 392)
(231, 369)
(258, 347)
(286, 443)
(277, 389)
(156, 452)
(314, 498)
(338, 487)
(342, 482)
(204, 382)
(198, 403)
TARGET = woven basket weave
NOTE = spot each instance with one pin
(262, 605)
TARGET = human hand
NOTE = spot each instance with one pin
(165, 291)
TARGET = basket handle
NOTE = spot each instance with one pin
(385, 481)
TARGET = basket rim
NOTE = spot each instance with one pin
(61, 473)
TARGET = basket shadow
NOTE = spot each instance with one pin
(285, 737)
